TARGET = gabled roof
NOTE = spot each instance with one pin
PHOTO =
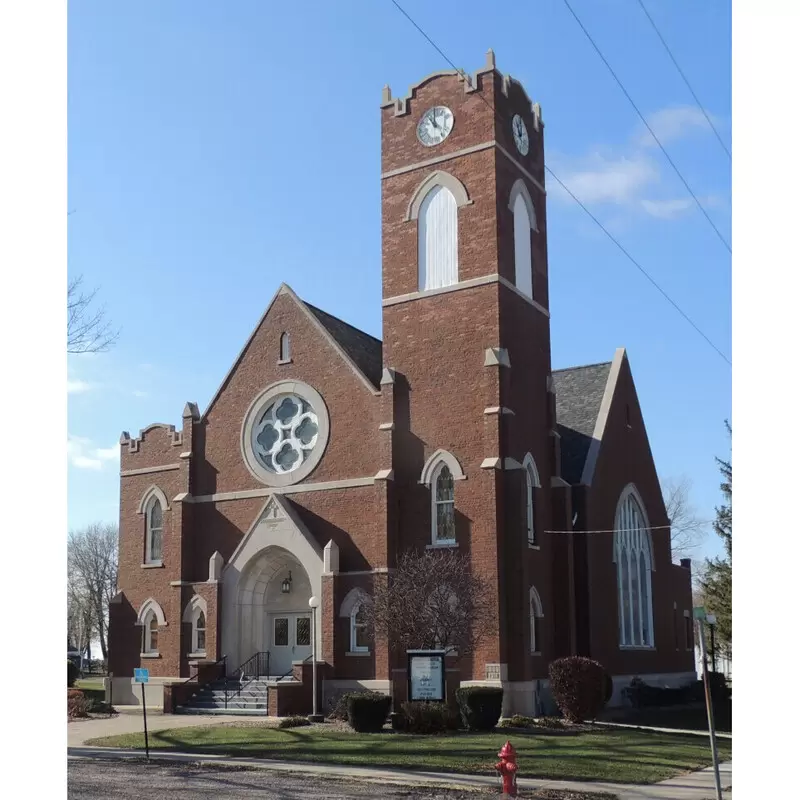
(583, 396)
(358, 349)
(366, 351)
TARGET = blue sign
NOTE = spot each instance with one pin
(141, 675)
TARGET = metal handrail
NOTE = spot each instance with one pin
(257, 659)
(223, 661)
(291, 669)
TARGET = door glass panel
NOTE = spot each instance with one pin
(281, 631)
(303, 632)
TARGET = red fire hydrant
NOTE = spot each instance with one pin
(507, 767)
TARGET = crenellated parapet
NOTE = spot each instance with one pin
(133, 444)
(472, 83)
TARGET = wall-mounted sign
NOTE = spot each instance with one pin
(426, 675)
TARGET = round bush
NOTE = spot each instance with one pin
(367, 713)
(339, 706)
(579, 686)
(480, 706)
(424, 717)
(72, 673)
(77, 704)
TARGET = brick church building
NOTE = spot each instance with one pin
(326, 453)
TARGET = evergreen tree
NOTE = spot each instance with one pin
(717, 582)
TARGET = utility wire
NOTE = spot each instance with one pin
(685, 79)
(570, 193)
(638, 528)
(647, 125)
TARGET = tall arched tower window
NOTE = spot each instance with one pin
(633, 554)
(529, 498)
(438, 239)
(155, 531)
(285, 352)
(524, 213)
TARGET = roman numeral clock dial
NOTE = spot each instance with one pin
(520, 134)
(435, 126)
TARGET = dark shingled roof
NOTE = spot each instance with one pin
(365, 350)
(579, 393)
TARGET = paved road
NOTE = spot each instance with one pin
(100, 780)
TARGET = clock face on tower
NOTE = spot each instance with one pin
(435, 126)
(520, 134)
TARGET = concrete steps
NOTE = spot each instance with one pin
(247, 698)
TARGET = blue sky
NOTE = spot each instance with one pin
(190, 121)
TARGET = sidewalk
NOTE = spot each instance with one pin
(694, 786)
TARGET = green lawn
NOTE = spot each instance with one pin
(603, 755)
(90, 684)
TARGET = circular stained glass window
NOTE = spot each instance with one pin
(285, 433)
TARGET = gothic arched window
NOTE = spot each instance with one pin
(524, 213)
(154, 516)
(285, 351)
(438, 239)
(633, 555)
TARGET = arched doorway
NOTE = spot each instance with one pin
(274, 591)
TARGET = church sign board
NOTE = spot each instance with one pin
(426, 675)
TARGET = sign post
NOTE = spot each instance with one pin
(426, 675)
(143, 676)
(700, 616)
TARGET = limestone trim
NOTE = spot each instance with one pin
(529, 464)
(430, 162)
(519, 188)
(133, 444)
(285, 289)
(529, 300)
(126, 473)
(470, 85)
(433, 462)
(521, 168)
(256, 409)
(497, 410)
(351, 600)
(247, 494)
(151, 605)
(602, 417)
(491, 463)
(151, 492)
(196, 602)
(386, 426)
(438, 178)
(384, 475)
(454, 287)
(496, 357)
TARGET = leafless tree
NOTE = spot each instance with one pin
(433, 600)
(92, 575)
(88, 330)
(80, 617)
(687, 529)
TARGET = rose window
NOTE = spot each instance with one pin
(285, 435)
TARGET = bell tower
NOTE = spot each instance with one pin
(466, 323)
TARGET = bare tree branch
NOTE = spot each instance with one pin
(88, 330)
(92, 577)
(433, 600)
(687, 529)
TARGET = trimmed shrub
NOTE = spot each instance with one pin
(425, 717)
(339, 704)
(77, 704)
(367, 712)
(293, 722)
(521, 721)
(578, 685)
(480, 706)
(72, 673)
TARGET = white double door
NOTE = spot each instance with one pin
(289, 637)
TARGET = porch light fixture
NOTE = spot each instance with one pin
(286, 586)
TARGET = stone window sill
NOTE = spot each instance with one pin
(282, 361)
(636, 647)
(534, 546)
(196, 655)
(536, 653)
(439, 545)
(149, 655)
(358, 653)
(153, 565)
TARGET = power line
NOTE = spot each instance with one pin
(570, 193)
(638, 528)
(647, 125)
(685, 79)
